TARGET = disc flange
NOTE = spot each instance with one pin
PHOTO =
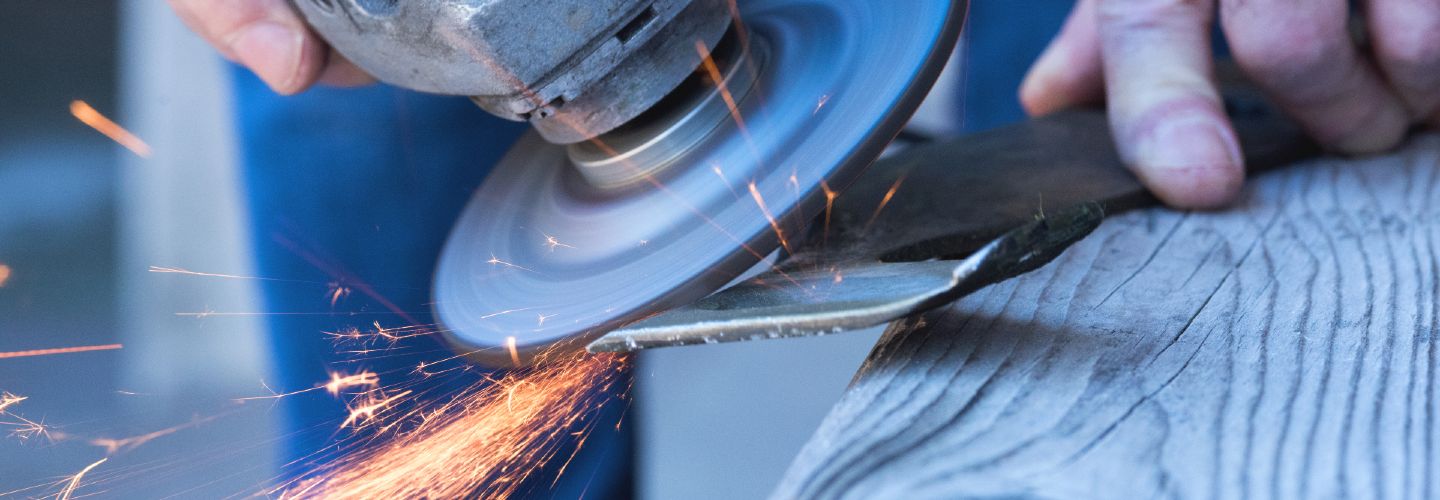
(545, 260)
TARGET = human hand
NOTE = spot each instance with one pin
(1151, 61)
(270, 38)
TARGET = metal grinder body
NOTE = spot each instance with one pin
(573, 69)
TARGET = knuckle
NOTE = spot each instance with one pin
(1415, 52)
(1296, 54)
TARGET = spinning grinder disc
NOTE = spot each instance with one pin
(560, 246)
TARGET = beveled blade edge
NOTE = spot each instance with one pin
(852, 295)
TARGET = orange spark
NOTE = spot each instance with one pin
(830, 196)
(484, 444)
(507, 311)
(715, 76)
(115, 445)
(885, 201)
(338, 292)
(721, 174)
(4, 274)
(743, 33)
(514, 352)
(339, 382)
(75, 480)
(495, 261)
(24, 429)
(369, 409)
(7, 400)
(115, 132)
(824, 98)
(551, 242)
(176, 270)
(21, 428)
(760, 200)
(58, 350)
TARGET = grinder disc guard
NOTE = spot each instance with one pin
(546, 257)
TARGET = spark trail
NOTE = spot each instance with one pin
(58, 350)
(74, 482)
(89, 116)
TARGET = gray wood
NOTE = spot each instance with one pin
(1282, 349)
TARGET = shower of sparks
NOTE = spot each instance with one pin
(114, 131)
(483, 444)
(75, 480)
(889, 194)
(775, 225)
(58, 350)
(4, 274)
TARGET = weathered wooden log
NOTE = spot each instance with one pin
(1282, 349)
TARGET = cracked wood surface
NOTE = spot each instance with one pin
(1283, 349)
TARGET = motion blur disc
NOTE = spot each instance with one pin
(551, 253)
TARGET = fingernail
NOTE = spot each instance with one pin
(272, 51)
(1191, 163)
(1189, 143)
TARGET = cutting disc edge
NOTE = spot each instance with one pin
(542, 262)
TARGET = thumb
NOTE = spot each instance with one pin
(267, 36)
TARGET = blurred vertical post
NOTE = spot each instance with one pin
(182, 208)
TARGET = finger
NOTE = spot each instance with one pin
(1068, 72)
(266, 36)
(1302, 55)
(1405, 39)
(340, 72)
(1166, 115)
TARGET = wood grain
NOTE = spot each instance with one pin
(1283, 349)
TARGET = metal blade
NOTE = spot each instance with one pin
(854, 295)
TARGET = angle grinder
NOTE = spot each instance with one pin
(675, 144)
